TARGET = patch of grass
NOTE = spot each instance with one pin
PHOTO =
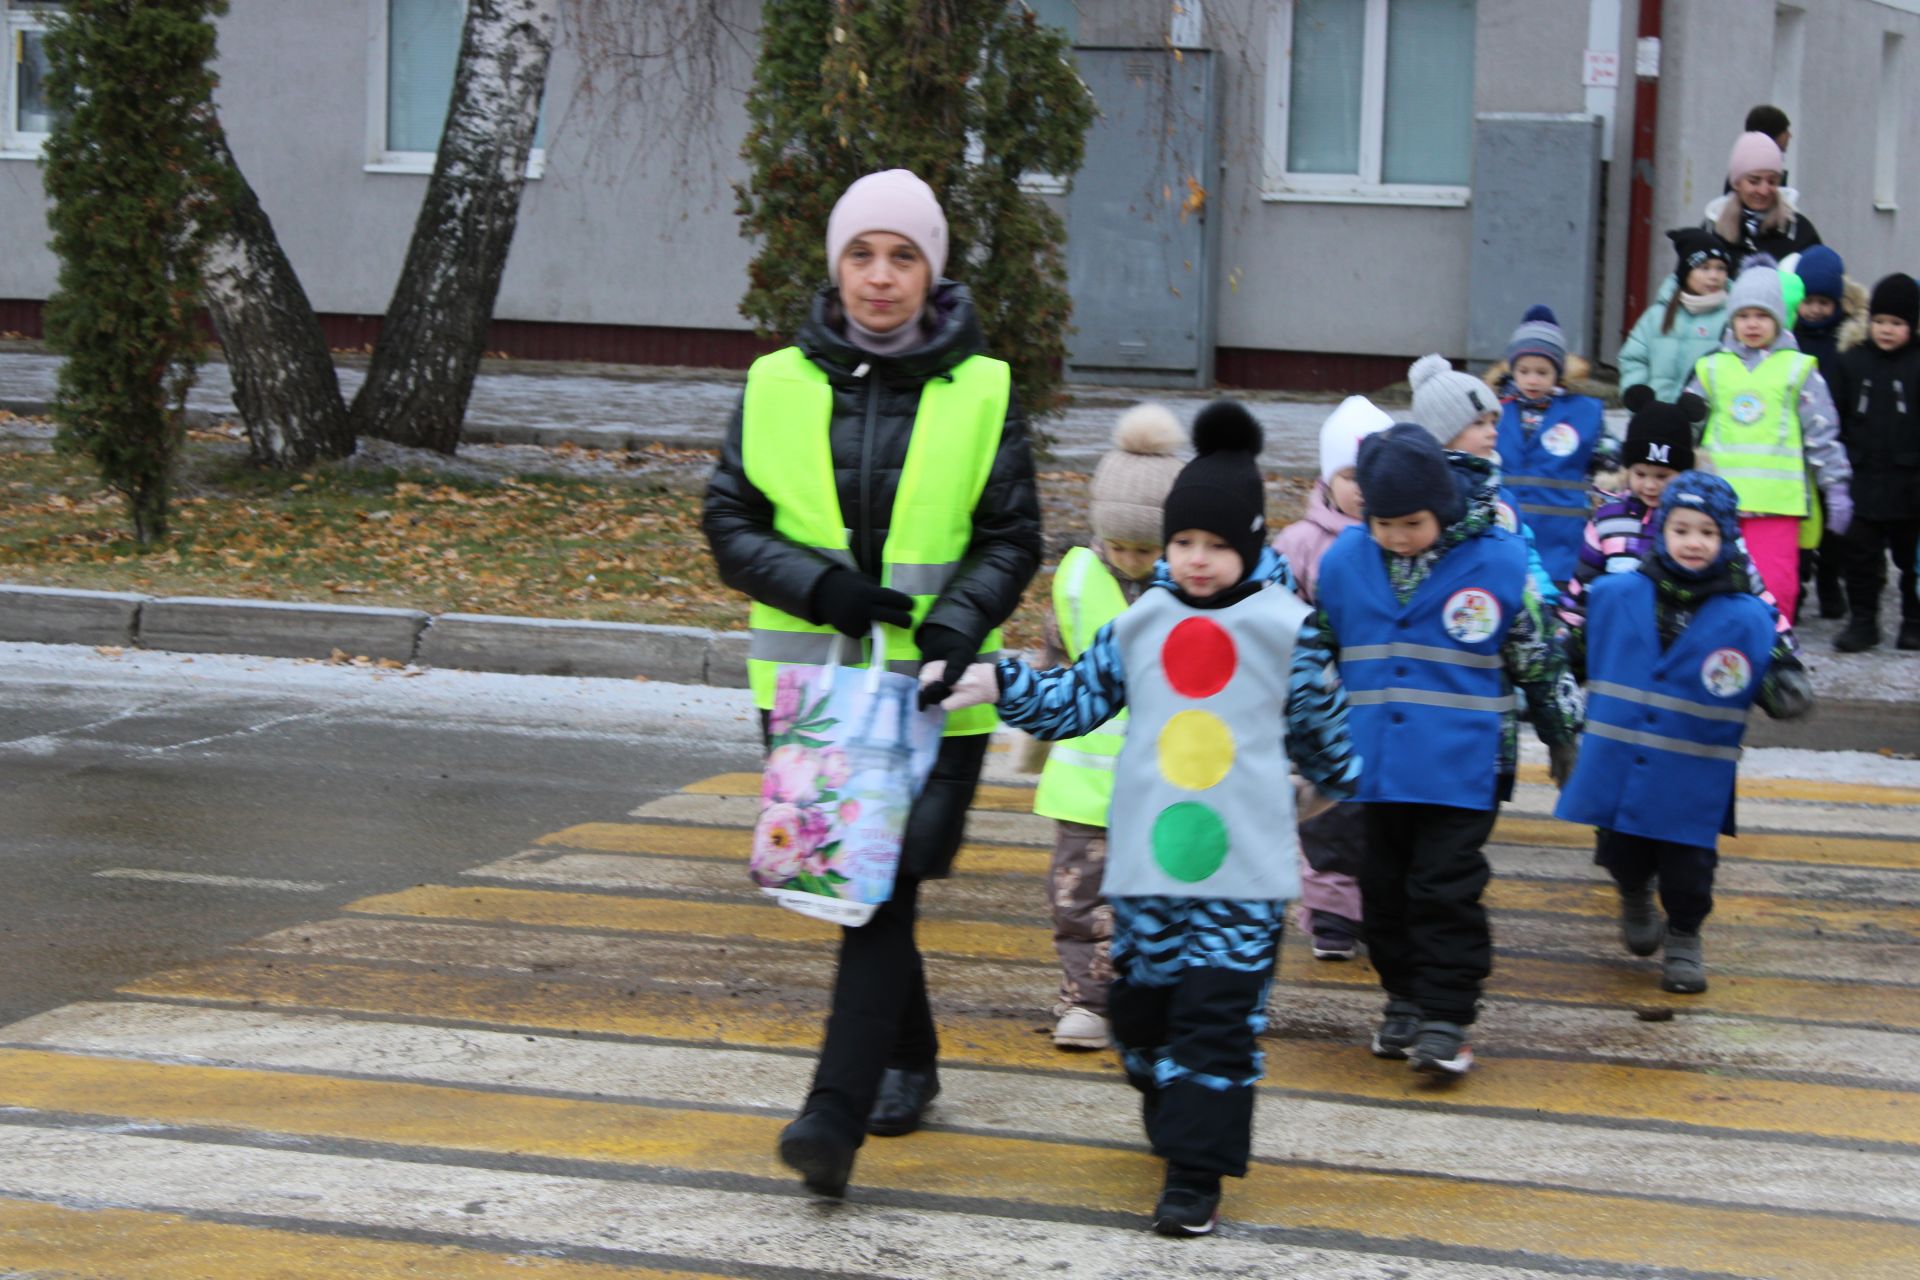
(547, 546)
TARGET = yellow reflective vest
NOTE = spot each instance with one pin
(1077, 782)
(1753, 428)
(784, 445)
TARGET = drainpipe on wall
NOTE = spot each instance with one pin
(1646, 118)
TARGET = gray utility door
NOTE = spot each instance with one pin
(1142, 236)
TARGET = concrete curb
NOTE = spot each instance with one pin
(462, 641)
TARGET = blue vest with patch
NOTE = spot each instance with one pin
(1426, 680)
(1546, 472)
(1663, 728)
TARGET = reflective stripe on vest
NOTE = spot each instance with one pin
(1753, 429)
(1076, 784)
(1664, 725)
(786, 420)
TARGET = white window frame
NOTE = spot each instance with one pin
(1365, 186)
(1887, 131)
(379, 158)
(16, 21)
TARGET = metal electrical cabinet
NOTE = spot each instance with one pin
(1143, 241)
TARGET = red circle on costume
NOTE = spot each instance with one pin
(1198, 658)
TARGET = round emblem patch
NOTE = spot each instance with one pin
(1471, 615)
(1747, 408)
(1726, 673)
(1560, 440)
(1504, 517)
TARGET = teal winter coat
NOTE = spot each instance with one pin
(1664, 361)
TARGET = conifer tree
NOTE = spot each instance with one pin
(136, 197)
(972, 95)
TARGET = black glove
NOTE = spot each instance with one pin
(852, 602)
(944, 644)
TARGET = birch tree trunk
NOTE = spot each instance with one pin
(283, 377)
(435, 330)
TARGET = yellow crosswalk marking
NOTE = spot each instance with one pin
(1581, 982)
(1016, 798)
(1506, 893)
(1522, 1085)
(126, 1244)
(1456, 1212)
(1828, 851)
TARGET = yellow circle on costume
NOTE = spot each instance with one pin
(1196, 750)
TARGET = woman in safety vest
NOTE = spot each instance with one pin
(879, 472)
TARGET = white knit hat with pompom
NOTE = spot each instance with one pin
(1131, 481)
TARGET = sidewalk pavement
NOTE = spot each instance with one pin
(630, 406)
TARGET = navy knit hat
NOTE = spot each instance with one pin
(1700, 491)
(1539, 335)
(1221, 491)
(1822, 271)
(1403, 470)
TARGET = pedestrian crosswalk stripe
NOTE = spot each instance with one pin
(1518, 1084)
(38, 1239)
(1530, 1147)
(773, 1233)
(1584, 981)
(1591, 896)
(1018, 798)
(1621, 1229)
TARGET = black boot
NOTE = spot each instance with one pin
(1909, 634)
(1861, 632)
(1833, 596)
(902, 1101)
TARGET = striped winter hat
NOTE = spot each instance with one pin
(1539, 335)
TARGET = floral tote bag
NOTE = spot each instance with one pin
(847, 753)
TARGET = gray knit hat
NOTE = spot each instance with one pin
(1446, 400)
(1130, 484)
(1758, 285)
(1539, 335)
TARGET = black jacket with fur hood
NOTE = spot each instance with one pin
(1877, 394)
(875, 399)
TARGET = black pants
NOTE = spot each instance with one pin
(1426, 931)
(1685, 871)
(1868, 543)
(880, 1016)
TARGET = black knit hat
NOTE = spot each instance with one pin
(1402, 470)
(1695, 245)
(1221, 491)
(1897, 295)
(1660, 433)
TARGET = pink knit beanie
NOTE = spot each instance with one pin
(1754, 153)
(892, 200)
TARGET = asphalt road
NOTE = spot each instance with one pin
(308, 793)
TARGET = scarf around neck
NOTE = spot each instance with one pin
(894, 341)
(1699, 303)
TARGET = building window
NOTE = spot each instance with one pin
(25, 116)
(1888, 130)
(1370, 101)
(1064, 14)
(418, 48)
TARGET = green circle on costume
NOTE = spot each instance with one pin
(1189, 841)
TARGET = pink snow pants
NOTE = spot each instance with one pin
(1774, 544)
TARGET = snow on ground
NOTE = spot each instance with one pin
(567, 706)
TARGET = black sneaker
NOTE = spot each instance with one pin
(1186, 1209)
(1401, 1023)
(1441, 1050)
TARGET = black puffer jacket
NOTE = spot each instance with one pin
(1877, 394)
(875, 399)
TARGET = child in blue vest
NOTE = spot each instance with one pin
(1550, 440)
(1431, 614)
(1674, 655)
(1094, 584)
(1230, 691)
